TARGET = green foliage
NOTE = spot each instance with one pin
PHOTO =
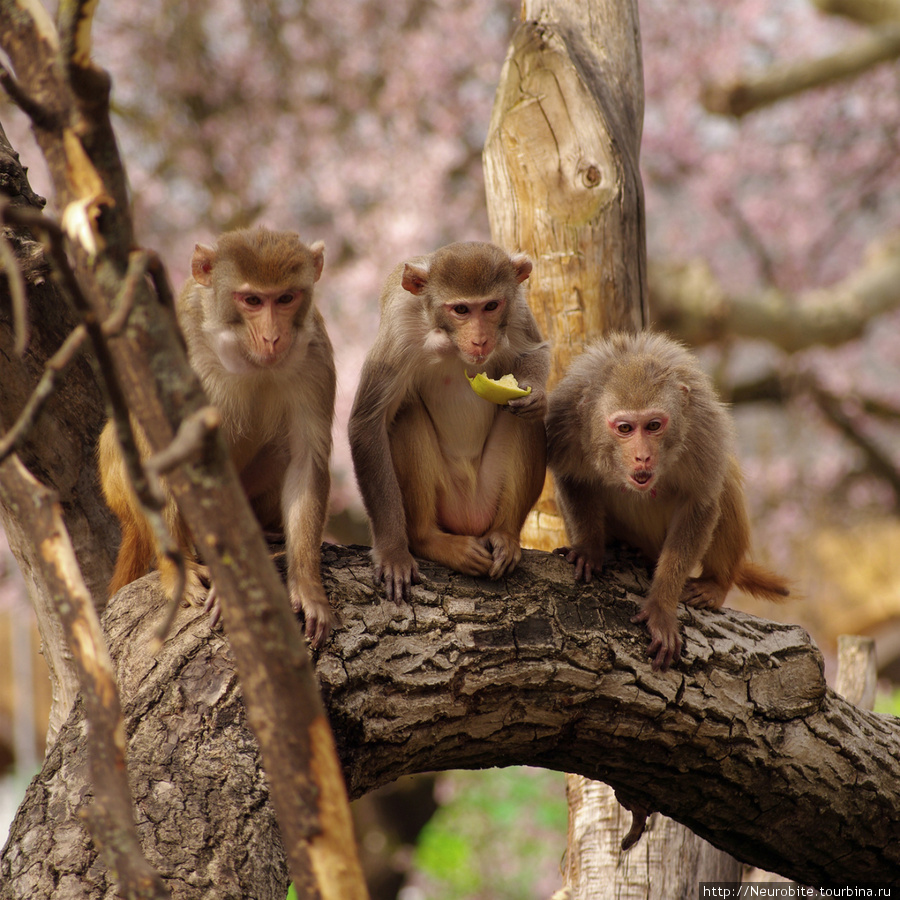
(500, 834)
(888, 702)
(292, 893)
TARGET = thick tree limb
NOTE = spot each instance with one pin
(742, 741)
(688, 301)
(110, 817)
(871, 12)
(748, 93)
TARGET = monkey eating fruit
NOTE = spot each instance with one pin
(499, 390)
(444, 474)
(642, 451)
(259, 346)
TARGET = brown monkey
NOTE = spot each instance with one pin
(259, 346)
(642, 450)
(445, 474)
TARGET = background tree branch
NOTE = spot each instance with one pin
(743, 742)
(689, 302)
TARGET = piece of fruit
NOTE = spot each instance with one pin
(500, 390)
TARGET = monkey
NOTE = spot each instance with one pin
(642, 450)
(259, 346)
(444, 474)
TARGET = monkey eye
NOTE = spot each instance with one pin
(655, 425)
(285, 299)
(624, 428)
(461, 309)
(252, 300)
(490, 307)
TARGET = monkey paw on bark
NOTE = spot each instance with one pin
(506, 552)
(398, 571)
(665, 640)
(586, 562)
(312, 601)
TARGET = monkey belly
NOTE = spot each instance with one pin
(462, 506)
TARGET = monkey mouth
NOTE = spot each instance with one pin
(642, 478)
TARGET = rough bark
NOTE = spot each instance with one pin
(563, 184)
(742, 741)
(60, 442)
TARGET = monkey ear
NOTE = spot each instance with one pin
(523, 266)
(414, 279)
(318, 254)
(202, 263)
(685, 393)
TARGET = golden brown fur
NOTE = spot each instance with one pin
(262, 353)
(443, 473)
(642, 450)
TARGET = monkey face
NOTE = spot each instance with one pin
(637, 436)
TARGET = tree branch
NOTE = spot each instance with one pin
(689, 302)
(110, 817)
(742, 741)
(745, 94)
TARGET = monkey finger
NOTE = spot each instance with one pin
(213, 607)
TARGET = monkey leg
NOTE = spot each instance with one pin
(513, 468)
(428, 481)
(137, 547)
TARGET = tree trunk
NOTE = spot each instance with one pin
(563, 184)
(60, 446)
(741, 741)
(667, 863)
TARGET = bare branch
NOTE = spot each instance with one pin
(53, 368)
(879, 462)
(688, 301)
(111, 816)
(870, 12)
(745, 94)
(39, 114)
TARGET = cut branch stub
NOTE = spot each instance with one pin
(561, 188)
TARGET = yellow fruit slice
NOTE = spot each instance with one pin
(499, 391)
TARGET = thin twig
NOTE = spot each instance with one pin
(39, 114)
(878, 461)
(193, 435)
(54, 366)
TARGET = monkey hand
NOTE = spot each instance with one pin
(665, 641)
(310, 598)
(532, 407)
(398, 570)
(506, 551)
(586, 562)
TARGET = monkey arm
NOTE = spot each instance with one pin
(688, 535)
(377, 401)
(531, 370)
(584, 514)
(305, 505)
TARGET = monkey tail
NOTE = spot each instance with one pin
(762, 583)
